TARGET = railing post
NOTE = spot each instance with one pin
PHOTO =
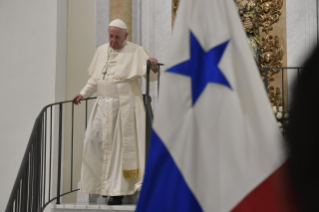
(51, 121)
(59, 156)
(72, 138)
(158, 79)
(148, 68)
(148, 122)
(283, 89)
(37, 165)
(24, 194)
(266, 80)
(86, 114)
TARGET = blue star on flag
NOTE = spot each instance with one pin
(202, 67)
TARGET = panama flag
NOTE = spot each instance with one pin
(215, 143)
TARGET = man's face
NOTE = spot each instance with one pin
(266, 9)
(267, 58)
(117, 37)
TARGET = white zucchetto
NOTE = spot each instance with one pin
(118, 23)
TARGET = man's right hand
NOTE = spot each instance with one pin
(77, 99)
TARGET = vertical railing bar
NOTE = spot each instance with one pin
(19, 196)
(31, 181)
(18, 192)
(41, 161)
(148, 78)
(21, 192)
(59, 155)
(11, 205)
(25, 188)
(35, 185)
(158, 80)
(19, 199)
(41, 164)
(37, 167)
(283, 89)
(38, 163)
(283, 98)
(45, 155)
(34, 174)
(36, 180)
(86, 113)
(27, 183)
(49, 195)
(16, 202)
(72, 137)
(266, 80)
(147, 102)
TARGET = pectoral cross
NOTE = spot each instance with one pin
(104, 73)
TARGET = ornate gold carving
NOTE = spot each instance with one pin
(274, 95)
(269, 12)
(175, 4)
(271, 52)
(271, 55)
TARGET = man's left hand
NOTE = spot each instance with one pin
(153, 61)
(153, 64)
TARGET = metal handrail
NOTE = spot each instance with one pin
(29, 190)
(32, 167)
(279, 67)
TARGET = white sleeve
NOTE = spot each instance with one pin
(90, 88)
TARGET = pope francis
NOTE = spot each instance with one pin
(114, 146)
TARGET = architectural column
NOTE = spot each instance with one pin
(122, 9)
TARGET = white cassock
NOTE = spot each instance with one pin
(114, 145)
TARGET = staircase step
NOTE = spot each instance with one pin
(92, 208)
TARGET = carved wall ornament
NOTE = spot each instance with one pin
(272, 53)
(274, 95)
(175, 4)
(269, 12)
